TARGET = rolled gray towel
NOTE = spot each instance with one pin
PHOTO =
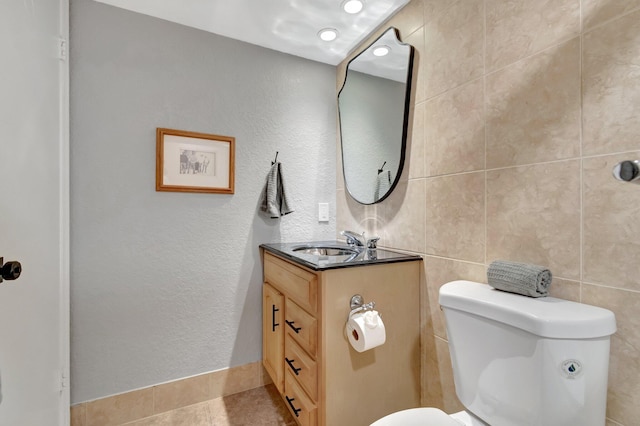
(521, 278)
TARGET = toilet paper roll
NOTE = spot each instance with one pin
(365, 330)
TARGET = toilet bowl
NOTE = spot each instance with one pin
(429, 416)
(558, 350)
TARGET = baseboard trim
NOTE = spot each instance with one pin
(145, 402)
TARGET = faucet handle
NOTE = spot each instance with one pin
(372, 242)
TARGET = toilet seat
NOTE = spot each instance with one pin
(417, 417)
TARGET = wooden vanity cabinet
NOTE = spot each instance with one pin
(322, 379)
(273, 337)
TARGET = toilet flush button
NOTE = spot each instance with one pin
(571, 368)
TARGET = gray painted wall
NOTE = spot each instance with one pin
(167, 285)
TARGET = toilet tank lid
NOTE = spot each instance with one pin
(542, 316)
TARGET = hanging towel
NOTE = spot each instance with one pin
(274, 201)
(521, 278)
(383, 183)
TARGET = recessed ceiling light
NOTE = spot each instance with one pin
(352, 6)
(328, 34)
(381, 50)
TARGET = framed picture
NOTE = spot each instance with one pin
(194, 162)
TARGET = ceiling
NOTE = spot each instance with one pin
(289, 26)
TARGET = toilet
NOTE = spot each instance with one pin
(520, 361)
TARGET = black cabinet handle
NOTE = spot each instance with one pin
(273, 317)
(290, 362)
(290, 324)
(295, 410)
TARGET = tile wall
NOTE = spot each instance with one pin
(521, 109)
(142, 403)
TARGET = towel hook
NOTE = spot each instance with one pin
(275, 159)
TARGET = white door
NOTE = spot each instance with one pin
(34, 309)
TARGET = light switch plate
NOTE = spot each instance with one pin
(323, 212)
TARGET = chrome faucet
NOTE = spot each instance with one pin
(359, 240)
(353, 239)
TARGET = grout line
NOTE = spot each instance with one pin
(579, 157)
(581, 152)
(580, 15)
(451, 89)
(610, 20)
(435, 256)
(610, 287)
(484, 42)
(485, 121)
(486, 177)
(524, 58)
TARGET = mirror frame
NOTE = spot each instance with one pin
(406, 114)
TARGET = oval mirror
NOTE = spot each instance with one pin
(373, 108)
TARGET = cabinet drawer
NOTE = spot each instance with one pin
(295, 282)
(301, 326)
(303, 409)
(302, 366)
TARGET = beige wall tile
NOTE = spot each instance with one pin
(409, 19)
(518, 28)
(181, 393)
(433, 9)
(438, 272)
(416, 144)
(611, 225)
(418, 87)
(533, 108)
(162, 404)
(595, 12)
(453, 47)
(404, 216)
(533, 81)
(565, 289)
(610, 87)
(450, 401)
(264, 378)
(533, 216)
(79, 415)
(236, 379)
(624, 365)
(431, 389)
(121, 408)
(193, 415)
(454, 130)
(455, 223)
(356, 217)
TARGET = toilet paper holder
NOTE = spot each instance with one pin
(357, 305)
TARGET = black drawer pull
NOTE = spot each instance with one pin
(295, 410)
(273, 317)
(290, 362)
(290, 324)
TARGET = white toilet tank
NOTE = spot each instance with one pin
(525, 361)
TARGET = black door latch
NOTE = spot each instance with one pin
(10, 270)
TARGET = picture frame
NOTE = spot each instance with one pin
(194, 162)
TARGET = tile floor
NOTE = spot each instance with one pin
(256, 407)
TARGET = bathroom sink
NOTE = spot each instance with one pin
(326, 250)
(322, 255)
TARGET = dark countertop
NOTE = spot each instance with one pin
(316, 262)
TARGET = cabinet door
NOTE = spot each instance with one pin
(273, 334)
